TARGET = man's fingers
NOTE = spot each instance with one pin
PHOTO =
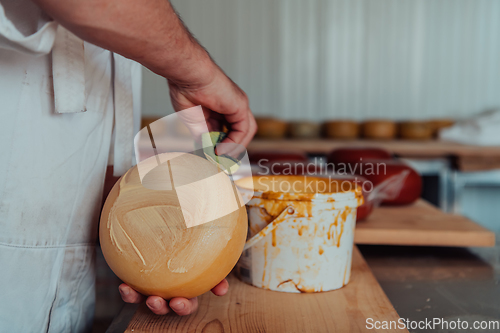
(233, 149)
(183, 306)
(252, 129)
(234, 138)
(221, 289)
(129, 295)
(241, 134)
(157, 305)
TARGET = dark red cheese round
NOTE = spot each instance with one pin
(378, 170)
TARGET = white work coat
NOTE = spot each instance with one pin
(57, 116)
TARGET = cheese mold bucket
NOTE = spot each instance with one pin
(301, 233)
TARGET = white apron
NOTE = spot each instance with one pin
(56, 124)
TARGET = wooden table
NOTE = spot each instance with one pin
(249, 309)
(439, 282)
(467, 157)
(420, 224)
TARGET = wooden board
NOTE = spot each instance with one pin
(420, 224)
(478, 163)
(249, 309)
(401, 147)
(468, 157)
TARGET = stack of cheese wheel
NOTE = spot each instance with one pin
(270, 128)
(415, 130)
(341, 129)
(379, 129)
(145, 236)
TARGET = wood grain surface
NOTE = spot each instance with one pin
(400, 147)
(420, 224)
(468, 157)
(249, 309)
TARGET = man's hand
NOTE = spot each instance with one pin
(160, 306)
(223, 102)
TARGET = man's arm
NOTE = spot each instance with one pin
(148, 32)
(151, 33)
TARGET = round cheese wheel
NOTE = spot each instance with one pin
(415, 130)
(379, 129)
(270, 128)
(341, 129)
(377, 171)
(303, 129)
(144, 235)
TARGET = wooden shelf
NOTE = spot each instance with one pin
(420, 224)
(249, 309)
(468, 157)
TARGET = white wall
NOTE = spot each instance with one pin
(320, 59)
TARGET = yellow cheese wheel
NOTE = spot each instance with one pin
(379, 129)
(415, 130)
(144, 235)
(341, 129)
(270, 128)
(303, 129)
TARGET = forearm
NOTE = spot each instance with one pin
(148, 32)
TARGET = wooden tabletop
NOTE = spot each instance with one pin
(469, 157)
(420, 224)
(250, 309)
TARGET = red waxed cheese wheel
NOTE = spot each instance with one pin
(377, 171)
(352, 155)
(364, 211)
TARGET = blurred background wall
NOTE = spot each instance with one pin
(358, 59)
